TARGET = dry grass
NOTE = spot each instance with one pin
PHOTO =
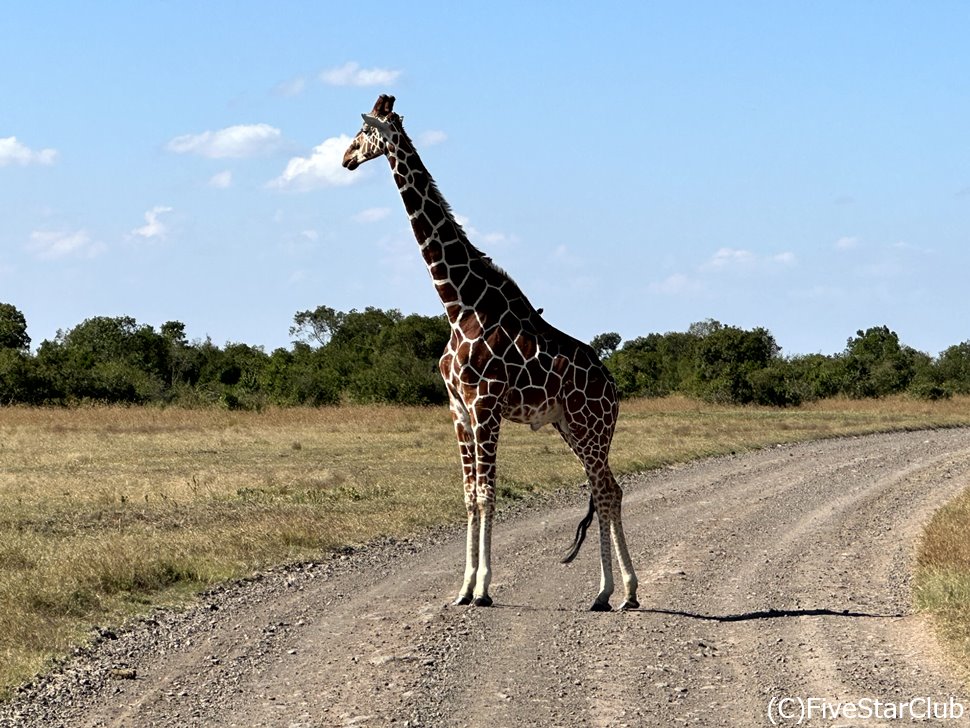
(105, 511)
(942, 583)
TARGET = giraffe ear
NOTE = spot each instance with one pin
(382, 126)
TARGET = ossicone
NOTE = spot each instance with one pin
(383, 106)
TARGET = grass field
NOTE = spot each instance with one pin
(942, 582)
(105, 512)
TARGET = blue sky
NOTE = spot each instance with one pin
(635, 167)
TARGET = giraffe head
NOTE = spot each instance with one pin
(371, 141)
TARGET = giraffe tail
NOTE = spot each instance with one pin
(580, 534)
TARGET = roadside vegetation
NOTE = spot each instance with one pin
(942, 581)
(384, 356)
(106, 511)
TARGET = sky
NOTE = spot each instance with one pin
(636, 167)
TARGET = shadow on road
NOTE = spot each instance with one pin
(772, 614)
(743, 617)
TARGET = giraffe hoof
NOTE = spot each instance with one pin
(483, 601)
(461, 601)
(601, 607)
(630, 604)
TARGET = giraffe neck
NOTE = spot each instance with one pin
(450, 256)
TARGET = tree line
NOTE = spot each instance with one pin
(736, 366)
(384, 356)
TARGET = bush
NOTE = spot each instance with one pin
(876, 364)
(953, 368)
(13, 329)
(726, 359)
(17, 377)
(382, 356)
(654, 365)
(777, 385)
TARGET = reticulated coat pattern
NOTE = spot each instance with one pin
(503, 361)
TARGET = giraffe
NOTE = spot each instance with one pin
(503, 361)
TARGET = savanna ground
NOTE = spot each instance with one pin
(105, 512)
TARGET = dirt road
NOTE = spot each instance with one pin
(774, 575)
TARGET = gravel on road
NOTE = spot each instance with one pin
(766, 579)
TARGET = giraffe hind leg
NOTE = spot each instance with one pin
(605, 500)
(576, 443)
(611, 530)
(626, 566)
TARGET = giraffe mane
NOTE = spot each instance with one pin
(397, 120)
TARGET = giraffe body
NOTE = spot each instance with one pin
(503, 361)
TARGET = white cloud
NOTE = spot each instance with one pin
(153, 227)
(241, 140)
(909, 247)
(323, 168)
(477, 236)
(724, 261)
(291, 87)
(432, 137)
(739, 259)
(495, 238)
(563, 255)
(847, 243)
(351, 74)
(674, 284)
(725, 257)
(56, 244)
(301, 244)
(13, 152)
(221, 180)
(372, 214)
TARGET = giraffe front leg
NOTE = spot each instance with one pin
(466, 447)
(602, 601)
(486, 511)
(471, 552)
(486, 446)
